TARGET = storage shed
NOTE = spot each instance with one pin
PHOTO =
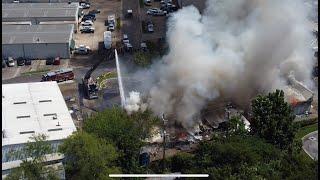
(37, 41)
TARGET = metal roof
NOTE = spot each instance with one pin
(34, 107)
(37, 10)
(25, 34)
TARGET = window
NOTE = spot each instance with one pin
(20, 102)
(41, 101)
(19, 117)
(26, 132)
(56, 129)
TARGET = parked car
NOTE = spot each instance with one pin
(10, 62)
(111, 27)
(50, 61)
(150, 26)
(87, 23)
(85, 5)
(147, 2)
(128, 46)
(82, 49)
(95, 11)
(20, 61)
(3, 63)
(125, 39)
(27, 61)
(88, 17)
(86, 29)
(129, 13)
(152, 11)
(56, 61)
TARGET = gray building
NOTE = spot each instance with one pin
(37, 41)
(40, 12)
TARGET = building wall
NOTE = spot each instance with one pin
(36, 51)
(302, 107)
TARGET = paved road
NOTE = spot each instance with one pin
(310, 144)
(132, 26)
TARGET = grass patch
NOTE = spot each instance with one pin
(35, 72)
(103, 77)
(142, 59)
(118, 23)
(306, 130)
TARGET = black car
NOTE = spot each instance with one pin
(95, 11)
(3, 64)
(88, 18)
(27, 61)
(50, 61)
(87, 31)
(90, 15)
(20, 61)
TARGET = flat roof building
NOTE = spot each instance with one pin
(32, 108)
(37, 41)
(40, 12)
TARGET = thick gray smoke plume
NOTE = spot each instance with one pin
(236, 49)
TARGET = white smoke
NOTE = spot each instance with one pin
(134, 103)
(236, 49)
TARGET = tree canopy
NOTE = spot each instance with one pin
(89, 157)
(33, 158)
(273, 119)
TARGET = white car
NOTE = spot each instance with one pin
(10, 62)
(84, 5)
(111, 27)
(86, 27)
(125, 39)
(87, 23)
(82, 49)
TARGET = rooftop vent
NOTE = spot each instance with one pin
(56, 129)
(23, 102)
(27, 132)
(19, 117)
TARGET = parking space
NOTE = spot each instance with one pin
(159, 23)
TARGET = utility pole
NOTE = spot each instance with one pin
(164, 142)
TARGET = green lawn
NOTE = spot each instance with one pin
(306, 130)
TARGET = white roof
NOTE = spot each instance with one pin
(31, 107)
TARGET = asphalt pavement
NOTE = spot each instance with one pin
(132, 26)
(310, 144)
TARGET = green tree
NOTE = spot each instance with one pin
(33, 158)
(273, 119)
(89, 157)
(236, 126)
(126, 132)
(142, 59)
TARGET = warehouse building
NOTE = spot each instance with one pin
(30, 109)
(37, 41)
(40, 12)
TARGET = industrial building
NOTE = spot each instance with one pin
(299, 96)
(37, 41)
(29, 109)
(40, 12)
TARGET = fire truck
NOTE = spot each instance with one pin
(59, 75)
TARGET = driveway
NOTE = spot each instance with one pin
(310, 144)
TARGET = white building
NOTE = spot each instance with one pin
(28, 109)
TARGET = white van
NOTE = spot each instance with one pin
(107, 39)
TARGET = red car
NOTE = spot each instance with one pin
(56, 61)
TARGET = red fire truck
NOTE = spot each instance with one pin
(59, 75)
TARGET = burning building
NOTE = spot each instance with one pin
(299, 96)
